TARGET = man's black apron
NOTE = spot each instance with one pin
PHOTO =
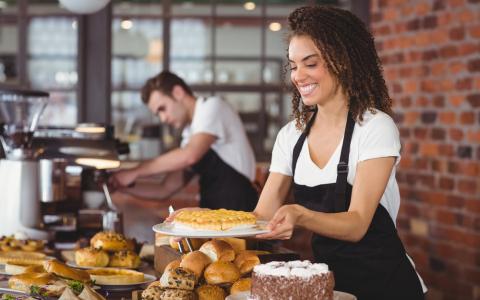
(376, 267)
(221, 186)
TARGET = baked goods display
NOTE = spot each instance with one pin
(294, 280)
(114, 276)
(207, 273)
(22, 257)
(10, 243)
(218, 250)
(108, 249)
(218, 219)
(241, 285)
(51, 280)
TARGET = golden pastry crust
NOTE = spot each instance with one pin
(210, 292)
(113, 276)
(9, 243)
(124, 259)
(110, 241)
(91, 257)
(241, 285)
(218, 219)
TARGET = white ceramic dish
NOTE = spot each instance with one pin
(171, 229)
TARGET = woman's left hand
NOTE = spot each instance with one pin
(283, 222)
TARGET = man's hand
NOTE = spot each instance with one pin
(122, 179)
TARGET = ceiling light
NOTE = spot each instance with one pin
(126, 24)
(249, 5)
(275, 26)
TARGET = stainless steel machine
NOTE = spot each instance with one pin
(20, 112)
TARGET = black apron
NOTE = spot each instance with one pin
(221, 186)
(376, 267)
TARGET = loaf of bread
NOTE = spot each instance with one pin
(196, 262)
(241, 285)
(174, 294)
(91, 257)
(245, 261)
(178, 278)
(210, 292)
(124, 259)
(218, 250)
(221, 272)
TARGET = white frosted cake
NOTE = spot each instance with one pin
(294, 280)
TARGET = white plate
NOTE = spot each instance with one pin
(74, 265)
(336, 296)
(127, 287)
(170, 229)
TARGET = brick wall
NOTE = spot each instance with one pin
(431, 56)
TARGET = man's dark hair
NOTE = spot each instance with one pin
(164, 83)
(349, 52)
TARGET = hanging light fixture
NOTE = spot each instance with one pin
(84, 6)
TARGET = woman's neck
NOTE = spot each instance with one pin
(333, 113)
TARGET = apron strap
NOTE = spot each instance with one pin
(300, 141)
(342, 167)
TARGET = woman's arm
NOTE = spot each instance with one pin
(273, 195)
(370, 182)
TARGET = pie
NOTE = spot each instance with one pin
(218, 219)
(114, 276)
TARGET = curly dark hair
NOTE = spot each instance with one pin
(348, 49)
(164, 83)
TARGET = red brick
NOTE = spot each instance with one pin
(438, 68)
(422, 8)
(474, 31)
(466, 16)
(474, 100)
(467, 186)
(446, 183)
(473, 136)
(456, 134)
(470, 169)
(477, 83)
(444, 18)
(448, 51)
(457, 67)
(446, 150)
(456, 100)
(466, 49)
(467, 118)
(473, 206)
(420, 133)
(447, 117)
(457, 33)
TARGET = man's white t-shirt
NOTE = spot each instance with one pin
(377, 136)
(216, 117)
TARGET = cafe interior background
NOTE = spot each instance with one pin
(93, 66)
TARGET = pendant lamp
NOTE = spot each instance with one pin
(84, 6)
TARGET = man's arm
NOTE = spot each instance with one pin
(174, 160)
(170, 184)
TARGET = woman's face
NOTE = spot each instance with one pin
(309, 72)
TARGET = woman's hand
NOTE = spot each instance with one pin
(282, 224)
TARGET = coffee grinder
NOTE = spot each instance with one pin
(20, 210)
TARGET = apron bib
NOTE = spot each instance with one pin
(221, 186)
(376, 267)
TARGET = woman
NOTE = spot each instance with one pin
(341, 151)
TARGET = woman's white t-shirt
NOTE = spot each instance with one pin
(216, 117)
(377, 136)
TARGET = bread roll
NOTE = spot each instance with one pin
(153, 292)
(174, 294)
(210, 292)
(196, 262)
(237, 244)
(241, 285)
(109, 241)
(178, 278)
(91, 257)
(124, 259)
(60, 269)
(221, 272)
(172, 265)
(218, 250)
(245, 261)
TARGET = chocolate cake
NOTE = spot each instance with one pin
(294, 280)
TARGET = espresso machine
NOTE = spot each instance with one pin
(20, 210)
